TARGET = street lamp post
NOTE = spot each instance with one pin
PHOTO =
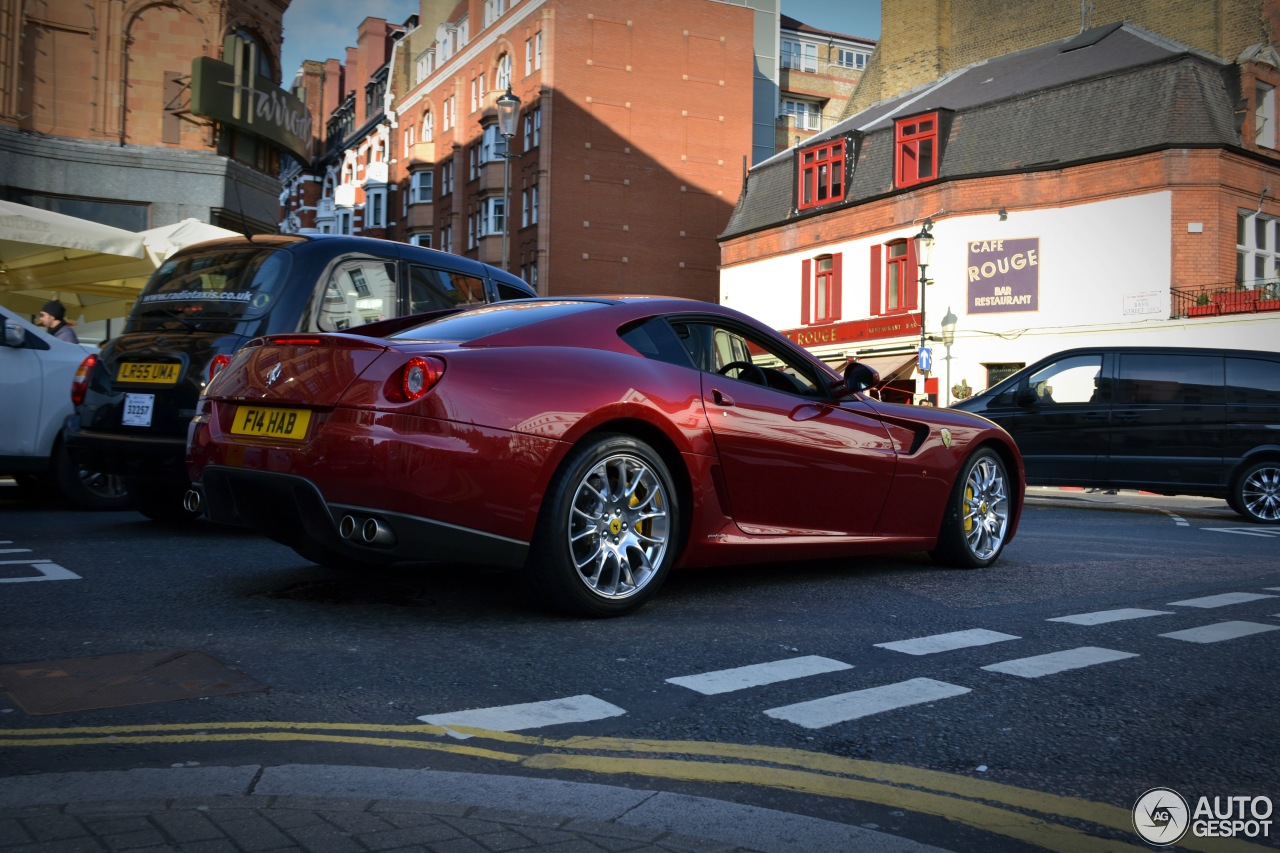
(948, 338)
(924, 251)
(508, 110)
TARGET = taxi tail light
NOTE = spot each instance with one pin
(80, 384)
(219, 361)
(412, 381)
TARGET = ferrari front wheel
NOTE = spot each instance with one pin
(975, 526)
(607, 536)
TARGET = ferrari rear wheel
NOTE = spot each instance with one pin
(608, 533)
(976, 524)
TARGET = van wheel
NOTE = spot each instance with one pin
(88, 489)
(1256, 494)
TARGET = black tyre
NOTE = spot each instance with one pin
(976, 524)
(1256, 493)
(87, 489)
(609, 531)
(159, 500)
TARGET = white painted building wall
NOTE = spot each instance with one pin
(1103, 278)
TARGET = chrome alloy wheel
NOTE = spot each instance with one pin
(619, 525)
(985, 508)
(1260, 492)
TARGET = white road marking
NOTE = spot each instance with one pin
(1223, 600)
(1102, 617)
(1055, 662)
(14, 550)
(947, 642)
(1244, 531)
(48, 571)
(742, 677)
(530, 715)
(1221, 631)
(829, 710)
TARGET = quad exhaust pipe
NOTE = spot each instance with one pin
(367, 531)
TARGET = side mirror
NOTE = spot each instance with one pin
(14, 336)
(860, 377)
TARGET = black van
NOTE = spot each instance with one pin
(207, 300)
(1164, 420)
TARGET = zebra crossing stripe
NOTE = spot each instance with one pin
(1223, 600)
(48, 571)
(1102, 617)
(841, 708)
(742, 677)
(1055, 662)
(1220, 631)
(530, 715)
(947, 642)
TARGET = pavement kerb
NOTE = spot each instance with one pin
(660, 820)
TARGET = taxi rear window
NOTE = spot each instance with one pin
(229, 284)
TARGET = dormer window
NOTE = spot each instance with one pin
(821, 174)
(1264, 116)
(915, 150)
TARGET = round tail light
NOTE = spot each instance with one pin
(416, 378)
(219, 362)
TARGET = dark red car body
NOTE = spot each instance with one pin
(463, 472)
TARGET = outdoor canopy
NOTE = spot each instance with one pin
(95, 270)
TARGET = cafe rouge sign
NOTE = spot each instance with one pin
(1004, 275)
(856, 330)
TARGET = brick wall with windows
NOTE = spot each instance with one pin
(921, 40)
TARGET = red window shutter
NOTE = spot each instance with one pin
(805, 309)
(910, 287)
(837, 287)
(876, 273)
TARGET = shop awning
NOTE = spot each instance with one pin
(890, 367)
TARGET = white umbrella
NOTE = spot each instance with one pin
(95, 270)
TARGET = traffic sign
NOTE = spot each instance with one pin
(924, 359)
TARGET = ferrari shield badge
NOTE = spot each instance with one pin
(946, 437)
(275, 374)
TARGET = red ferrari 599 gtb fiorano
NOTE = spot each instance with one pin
(592, 443)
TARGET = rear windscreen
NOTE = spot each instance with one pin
(239, 283)
(490, 320)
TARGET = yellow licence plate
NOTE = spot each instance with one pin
(277, 423)
(148, 372)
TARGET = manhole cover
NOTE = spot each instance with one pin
(112, 681)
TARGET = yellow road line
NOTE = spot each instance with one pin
(990, 806)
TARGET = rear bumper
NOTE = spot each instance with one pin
(140, 456)
(291, 509)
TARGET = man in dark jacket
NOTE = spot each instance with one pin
(53, 317)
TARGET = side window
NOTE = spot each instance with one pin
(506, 291)
(736, 353)
(1072, 380)
(1183, 379)
(432, 289)
(657, 340)
(358, 292)
(1253, 382)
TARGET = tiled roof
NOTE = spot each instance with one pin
(1106, 93)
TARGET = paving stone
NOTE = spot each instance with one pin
(185, 826)
(133, 840)
(13, 832)
(50, 827)
(429, 834)
(252, 833)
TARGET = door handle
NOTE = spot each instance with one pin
(1094, 417)
(1128, 417)
(721, 398)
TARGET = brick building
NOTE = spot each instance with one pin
(636, 123)
(1084, 183)
(140, 113)
(818, 73)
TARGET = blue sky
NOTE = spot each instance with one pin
(321, 29)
